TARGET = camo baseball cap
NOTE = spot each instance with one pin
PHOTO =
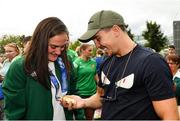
(100, 20)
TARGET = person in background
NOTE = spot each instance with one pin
(35, 83)
(137, 82)
(1, 93)
(86, 76)
(1, 60)
(101, 56)
(171, 50)
(26, 44)
(99, 52)
(11, 51)
(99, 59)
(174, 62)
(77, 50)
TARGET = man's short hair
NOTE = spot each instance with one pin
(171, 46)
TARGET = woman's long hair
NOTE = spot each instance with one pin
(36, 59)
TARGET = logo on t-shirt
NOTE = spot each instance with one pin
(104, 79)
(126, 82)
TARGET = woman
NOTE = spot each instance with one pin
(174, 62)
(86, 76)
(11, 51)
(35, 82)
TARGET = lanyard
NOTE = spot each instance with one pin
(64, 84)
(63, 81)
(55, 83)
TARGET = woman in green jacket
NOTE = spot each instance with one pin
(35, 82)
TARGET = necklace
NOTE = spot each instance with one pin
(124, 70)
(113, 96)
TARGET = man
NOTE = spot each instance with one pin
(26, 44)
(171, 50)
(136, 81)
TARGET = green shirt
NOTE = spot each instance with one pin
(86, 71)
(177, 92)
(72, 55)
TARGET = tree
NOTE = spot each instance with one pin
(154, 36)
(129, 32)
(10, 38)
(74, 45)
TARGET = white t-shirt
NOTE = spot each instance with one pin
(177, 74)
(57, 107)
(5, 66)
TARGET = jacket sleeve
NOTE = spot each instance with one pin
(73, 80)
(177, 83)
(14, 91)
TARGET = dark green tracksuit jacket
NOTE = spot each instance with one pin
(24, 97)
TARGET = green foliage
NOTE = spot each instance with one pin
(129, 32)
(154, 36)
(94, 51)
(74, 45)
(10, 38)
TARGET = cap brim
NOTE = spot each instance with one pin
(86, 37)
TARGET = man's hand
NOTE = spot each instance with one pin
(72, 102)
